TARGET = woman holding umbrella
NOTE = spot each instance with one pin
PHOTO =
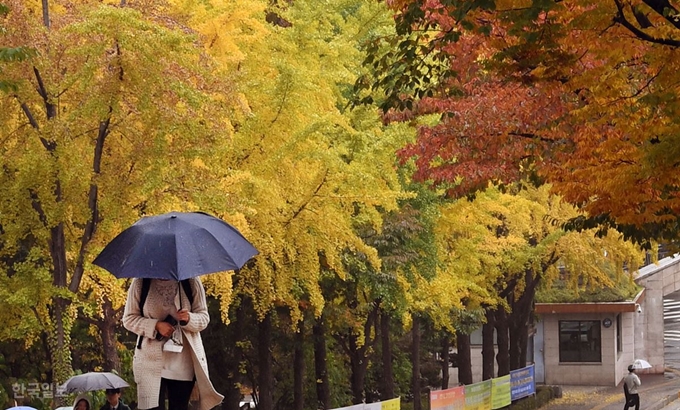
(169, 359)
(170, 251)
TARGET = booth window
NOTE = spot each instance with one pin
(580, 341)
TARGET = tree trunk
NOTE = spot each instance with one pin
(488, 345)
(502, 342)
(464, 358)
(359, 357)
(299, 368)
(522, 309)
(387, 380)
(444, 353)
(523, 344)
(358, 364)
(266, 377)
(107, 330)
(59, 335)
(415, 362)
(514, 351)
(519, 332)
(231, 363)
(323, 391)
(60, 350)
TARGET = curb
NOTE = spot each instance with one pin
(660, 404)
(668, 399)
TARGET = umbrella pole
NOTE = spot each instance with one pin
(179, 293)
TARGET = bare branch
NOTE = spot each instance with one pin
(50, 108)
(29, 114)
(665, 9)
(639, 91)
(304, 205)
(621, 19)
(46, 13)
(91, 226)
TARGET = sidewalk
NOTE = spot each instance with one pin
(658, 392)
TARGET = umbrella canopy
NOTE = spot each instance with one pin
(93, 381)
(177, 246)
(641, 364)
(22, 408)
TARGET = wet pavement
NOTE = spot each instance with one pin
(657, 392)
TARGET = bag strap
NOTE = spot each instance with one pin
(146, 285)
(186, 285)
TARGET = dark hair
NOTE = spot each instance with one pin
(631, 368)
(112, 391)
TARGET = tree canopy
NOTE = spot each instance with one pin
(375, 224)
(546, 88)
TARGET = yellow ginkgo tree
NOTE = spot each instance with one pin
(514, 239)
(119, 114)
(312, 170)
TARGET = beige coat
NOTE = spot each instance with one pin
(147, 363)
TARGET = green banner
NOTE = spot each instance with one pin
(500, 392)
(478, 396)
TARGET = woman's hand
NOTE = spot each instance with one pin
(165, 329)
(183, 317)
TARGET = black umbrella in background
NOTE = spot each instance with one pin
(175, 246)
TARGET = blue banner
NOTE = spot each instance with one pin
(522, 383)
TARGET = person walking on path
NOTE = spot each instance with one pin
(169, 360)
(631, 383)
(113, 401)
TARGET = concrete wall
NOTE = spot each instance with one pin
(669, 270)
(658, 279)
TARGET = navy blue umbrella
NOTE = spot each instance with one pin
(176, 246)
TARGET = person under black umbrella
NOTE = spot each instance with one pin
(169, 359)
(113, 401)
(166, 305)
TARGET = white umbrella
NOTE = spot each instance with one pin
(93, 381)
(641, 364)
